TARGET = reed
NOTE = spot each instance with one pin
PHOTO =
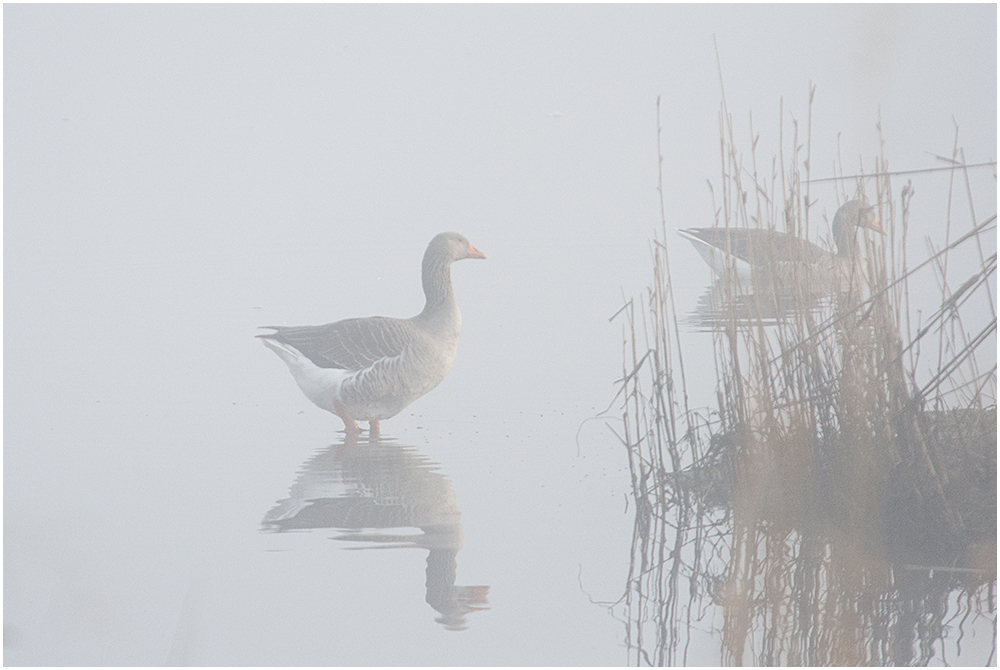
(840, 496)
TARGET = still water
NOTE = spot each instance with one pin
(209, 514)
(177, 176)
(205, 512)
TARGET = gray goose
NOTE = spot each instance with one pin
(778, 256)
(369, 369)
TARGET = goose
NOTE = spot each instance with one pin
(370, 369)
(777, 256)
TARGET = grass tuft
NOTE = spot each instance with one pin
(838, 503)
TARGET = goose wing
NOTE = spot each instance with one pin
(758, 246)
(351, 344)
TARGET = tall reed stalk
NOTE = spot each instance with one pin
(838, 496)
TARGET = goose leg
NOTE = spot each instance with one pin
(374, 429)
(350, 425)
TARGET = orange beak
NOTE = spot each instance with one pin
(874, 225)
(474, 252)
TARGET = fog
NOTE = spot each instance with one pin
(176, 176)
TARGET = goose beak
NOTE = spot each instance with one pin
(868, 219)
(874, 225)
(474, 252)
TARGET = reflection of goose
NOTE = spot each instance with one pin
(370, 369)
(378, 486)
(779, 257)
(719, 307)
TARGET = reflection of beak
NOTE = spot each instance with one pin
(478, 596)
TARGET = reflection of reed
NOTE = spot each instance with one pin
(370, 487)
(832, 509)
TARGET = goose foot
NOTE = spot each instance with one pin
(350, 425)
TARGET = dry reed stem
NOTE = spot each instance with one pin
(821, 466)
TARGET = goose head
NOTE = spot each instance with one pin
(851, 216)
(450, 247)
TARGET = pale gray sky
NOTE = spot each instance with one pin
(175, 175)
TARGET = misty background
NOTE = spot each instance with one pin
(175, 176)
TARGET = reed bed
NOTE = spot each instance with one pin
(838, 503)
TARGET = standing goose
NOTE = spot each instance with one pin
(369, 369)
(778, 256)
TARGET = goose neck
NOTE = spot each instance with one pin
(438, 291)
(844, 238)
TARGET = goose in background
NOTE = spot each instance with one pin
(370, 369)
(780, 257)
